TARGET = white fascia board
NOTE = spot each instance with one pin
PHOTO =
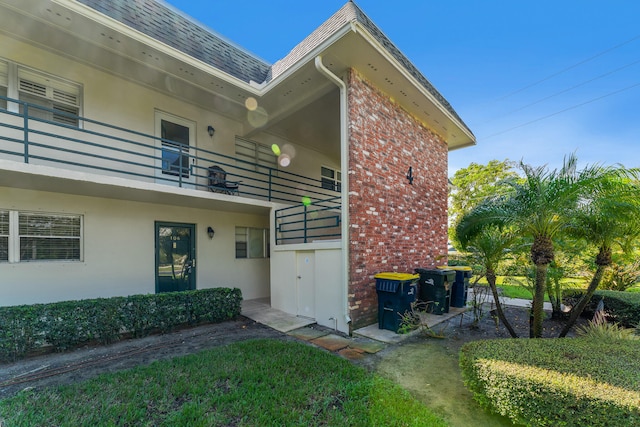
(124, 29)
(384, 52)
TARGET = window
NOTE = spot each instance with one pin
(60, 100)
(330, 179)
(252, 242)
(4, 236)
(4, 84)
(36, 236)
(254, 152)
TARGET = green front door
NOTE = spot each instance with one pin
(175, 257)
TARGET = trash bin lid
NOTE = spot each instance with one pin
(401, 277)
(455, 267)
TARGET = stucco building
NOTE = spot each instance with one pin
(116, 115)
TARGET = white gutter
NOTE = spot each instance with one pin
(344, 167)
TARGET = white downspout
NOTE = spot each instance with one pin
(344, 167)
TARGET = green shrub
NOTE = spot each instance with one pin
(621, 275)
(19, 331)
(606, 331)
(69, 324)
(621, 307)
(556, 382)
(600, 329)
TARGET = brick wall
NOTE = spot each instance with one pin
(394, 226)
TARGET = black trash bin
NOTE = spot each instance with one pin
(435, 289)
(396, 292)
(460, 286)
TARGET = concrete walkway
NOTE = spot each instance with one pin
(367, 340)
(352, 348)
(260, 310)
(430, 320)
(513, 302)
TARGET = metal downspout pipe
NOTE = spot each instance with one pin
(344, 167)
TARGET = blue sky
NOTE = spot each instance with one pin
(534, 80)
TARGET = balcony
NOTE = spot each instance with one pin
(36, 135)
(308, 223)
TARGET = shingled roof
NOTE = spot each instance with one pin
(352, 13)
(172, 28)
(166, 25)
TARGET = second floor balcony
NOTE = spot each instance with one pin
(35, 135)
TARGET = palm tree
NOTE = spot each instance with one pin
(608, 219)
(538, 207)
(488, 248)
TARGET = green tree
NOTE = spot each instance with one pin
(538, 207)
(610, 217)
(489, 248)
(476, 182)
(568, 262)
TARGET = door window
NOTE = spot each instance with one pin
(175, 148)
(175, 257)
(175, 159)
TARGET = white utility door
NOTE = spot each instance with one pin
(305, 284)
(175, 161)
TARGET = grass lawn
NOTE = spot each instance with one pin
(251, 383)
(634, 288)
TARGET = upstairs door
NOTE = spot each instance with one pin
(175, 154)
(175, 257)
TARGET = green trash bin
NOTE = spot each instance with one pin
(460, 286)
(396, 292)
(435, 289)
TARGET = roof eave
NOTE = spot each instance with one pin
(139, 36)
(362, 30)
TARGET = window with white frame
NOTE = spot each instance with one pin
(53, 98)
(252, 242)
(38, 236)
(4, 84)
(4, 236)
(330, 178)
(60, 100)
(254, 152)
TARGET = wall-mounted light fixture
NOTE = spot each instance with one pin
(210, 232)
(410, 175)
(210, 130)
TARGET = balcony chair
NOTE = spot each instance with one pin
(218, 181)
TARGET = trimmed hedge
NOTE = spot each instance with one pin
(621, 307)
(69, 324)
(556, 382)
